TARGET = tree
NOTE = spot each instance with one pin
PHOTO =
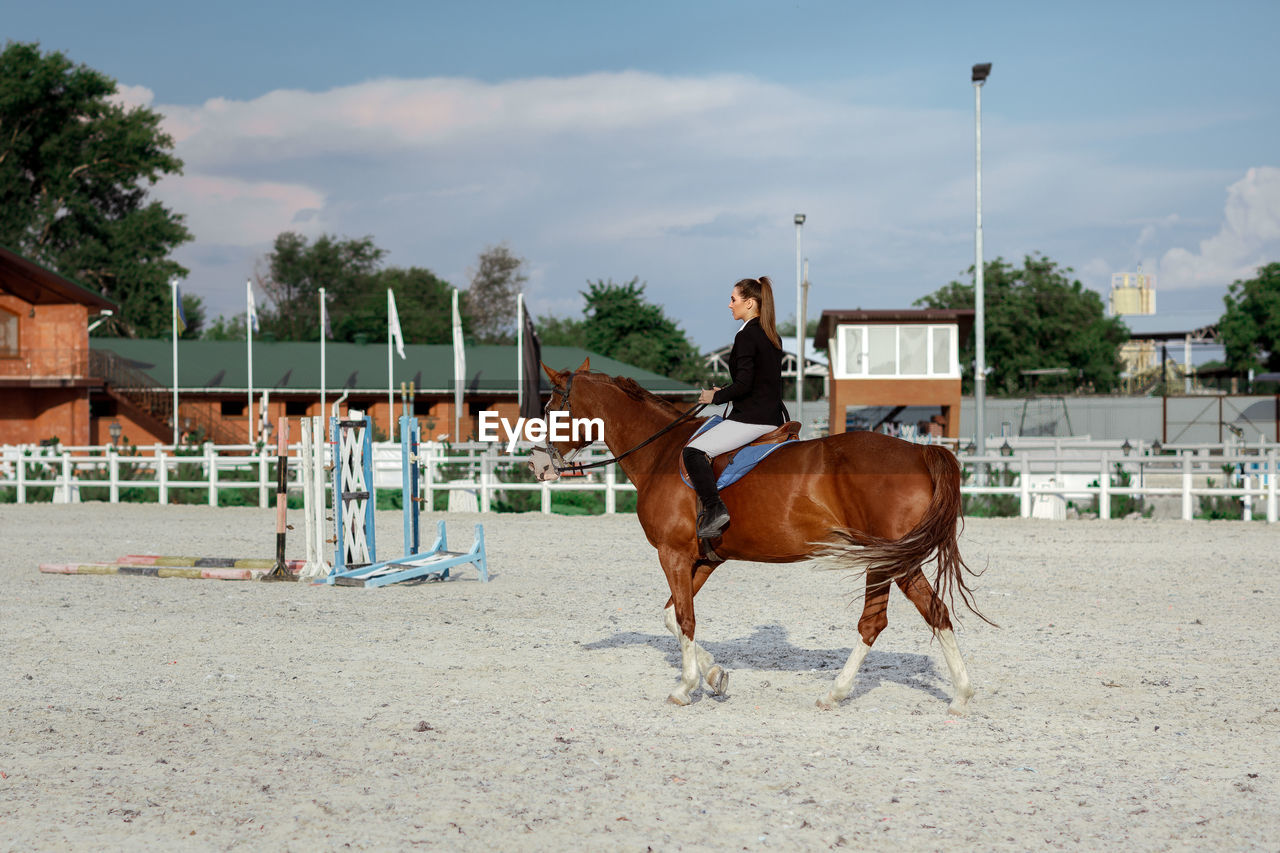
(74, 171)
(491, 298)
(1250, 327)
(226, 329)
(194, 312)
(355, 293)
(1036, 317)
(621, 324)
(295, 270)
(560, 331)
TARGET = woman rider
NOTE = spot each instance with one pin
(755, 365)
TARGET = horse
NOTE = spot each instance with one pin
(860, 499)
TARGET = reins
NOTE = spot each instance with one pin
(578, 467)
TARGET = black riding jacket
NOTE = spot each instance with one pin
(755, 366)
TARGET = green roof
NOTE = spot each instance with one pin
(284, 367)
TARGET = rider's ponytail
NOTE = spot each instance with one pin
(761, 290)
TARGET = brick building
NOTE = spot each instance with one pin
(45, 373)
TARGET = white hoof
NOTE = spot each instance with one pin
(678, 698)
(827, 703)
(718, 680)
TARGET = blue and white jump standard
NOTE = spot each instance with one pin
(355, 541)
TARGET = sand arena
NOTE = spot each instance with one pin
(1130, 698)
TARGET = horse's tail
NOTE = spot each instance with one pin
(935, 534)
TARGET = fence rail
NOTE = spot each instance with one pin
(1043, 475)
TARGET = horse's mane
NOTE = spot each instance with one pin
(633, 390)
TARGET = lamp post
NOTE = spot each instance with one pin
(799, 317)
(115, 429)
(980, 73)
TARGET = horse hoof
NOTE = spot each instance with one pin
(826, 703)
(718, 680)
(675, 699)
(958, 708)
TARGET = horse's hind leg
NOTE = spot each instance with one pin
(917, 588)
(716, 676)
(874, 619)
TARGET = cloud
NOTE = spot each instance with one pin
(230, 211)
(1249, 237)
(132, 96)
(687, 182)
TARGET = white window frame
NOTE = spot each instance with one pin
(837, 345)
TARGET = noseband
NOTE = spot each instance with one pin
(563, 466)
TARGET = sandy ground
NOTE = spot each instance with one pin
(1130, 698)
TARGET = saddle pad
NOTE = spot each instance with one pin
(744, 459)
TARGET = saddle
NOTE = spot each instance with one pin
(731, 467)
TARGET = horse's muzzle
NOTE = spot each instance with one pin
(543, 467)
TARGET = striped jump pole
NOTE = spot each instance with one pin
(280, 572)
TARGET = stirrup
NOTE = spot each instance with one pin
(713, 520)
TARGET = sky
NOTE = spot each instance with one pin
(675, 142)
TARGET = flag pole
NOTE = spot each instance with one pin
(248, 327)
(391, 397)
(173, 319)
(519, 354)
(323, 414)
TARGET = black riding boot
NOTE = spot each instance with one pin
(714, 517)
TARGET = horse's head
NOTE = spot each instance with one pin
(556, 454)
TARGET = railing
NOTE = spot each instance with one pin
(46, 363)
(1043, 477)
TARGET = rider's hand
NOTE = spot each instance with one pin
(705, 396)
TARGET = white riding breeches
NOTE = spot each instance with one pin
(729, 435)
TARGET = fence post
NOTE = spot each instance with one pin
(1246, 500)
(22, 473)
(1187, 514)
(546, 497)
(610, 495)
(486, 472)
(427, 461)
(66, 476)
(113, 471)
(1104, 488)
(162, 476)
(1273, 474)
(263, 470)
(212, 462)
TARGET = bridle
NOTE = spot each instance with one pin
(564, 466)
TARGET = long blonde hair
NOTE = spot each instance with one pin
(761, 290)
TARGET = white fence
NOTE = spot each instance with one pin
(1044, 474)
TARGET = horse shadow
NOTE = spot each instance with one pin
(769, 648)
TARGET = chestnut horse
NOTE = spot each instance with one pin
(865, 499)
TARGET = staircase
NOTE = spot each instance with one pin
(150, 403)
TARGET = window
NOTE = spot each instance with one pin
(8, 334)
(296, 408)
(917, 351)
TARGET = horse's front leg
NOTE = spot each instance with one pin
(716, 676)
(679, 570)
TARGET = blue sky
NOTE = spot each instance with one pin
(675, 141)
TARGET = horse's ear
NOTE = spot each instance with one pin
(586, 365)
(553, 375)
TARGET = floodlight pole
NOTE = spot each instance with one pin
(980, 73)
(799, 415)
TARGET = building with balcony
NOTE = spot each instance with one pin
(45, 374)
(895, 369)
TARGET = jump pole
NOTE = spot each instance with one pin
(280, 572)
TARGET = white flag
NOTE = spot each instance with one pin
(459, 356)
(393, 324)
(253, 308)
